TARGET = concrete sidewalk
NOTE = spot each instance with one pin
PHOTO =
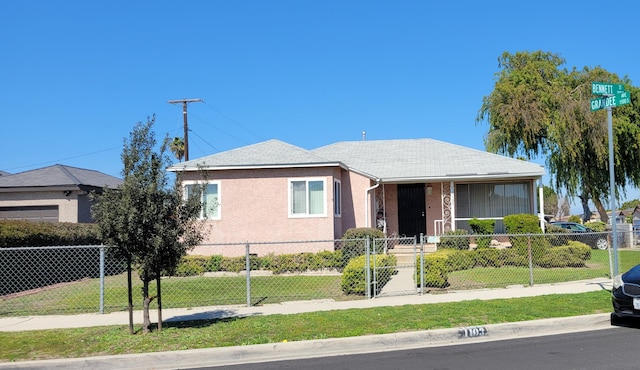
(226, 356)
(218, 312)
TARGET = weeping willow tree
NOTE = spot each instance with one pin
(538, 109)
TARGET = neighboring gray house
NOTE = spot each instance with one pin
(275, 190)
(55, 194)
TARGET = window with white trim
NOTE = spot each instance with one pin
(337, 198)
(307, 197)
(210, 198)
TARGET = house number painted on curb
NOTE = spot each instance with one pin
(472, 332)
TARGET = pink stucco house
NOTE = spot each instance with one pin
(275, 191)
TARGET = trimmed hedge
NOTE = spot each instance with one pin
(353, 244)
(192, 265)
(598, 226)
(527, 224)
(454, 239)
(49, 266)
(438, 265)
(354, 278)
(482, 227)
(14, 233)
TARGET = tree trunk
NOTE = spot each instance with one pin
(146, 302)
(601, 210)
(586, 212)
(159, 299)
(130, 294)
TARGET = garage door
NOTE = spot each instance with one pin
(30, 213)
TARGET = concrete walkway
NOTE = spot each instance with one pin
(306, 349)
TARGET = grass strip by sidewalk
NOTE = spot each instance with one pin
(114, 340)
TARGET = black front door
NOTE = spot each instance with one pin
(412, 218)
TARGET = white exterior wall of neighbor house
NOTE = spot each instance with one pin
(67, 205)
(254, 207)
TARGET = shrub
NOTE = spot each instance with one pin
(15, 233)
(489, 257)
(526, 224)
(482, 227)
(511, 257)
(191, 266)
(598, 226)
(523, 223)
(436, 270)
(214, 264)
(233, 264)
(284, 263)
(354, 278)
(459, 259)
(575, 218)
(454, 239)
(579, 249)
(573, 255)
(353, 244)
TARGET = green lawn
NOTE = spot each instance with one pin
(113, 340)
(491, 277)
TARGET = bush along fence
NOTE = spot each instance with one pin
(74, 279)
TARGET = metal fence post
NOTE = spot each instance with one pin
(101, 278)
(367, 271)
(248, 274)
(375, 273)
(530, 260)
(421, 264)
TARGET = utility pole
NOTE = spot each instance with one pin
(185, 102)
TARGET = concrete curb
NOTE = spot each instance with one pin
(326, 347)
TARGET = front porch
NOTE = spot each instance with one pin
(433, 208)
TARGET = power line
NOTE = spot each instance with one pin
(184, 103)
(206, 142)
(233, 121)
(64, 159)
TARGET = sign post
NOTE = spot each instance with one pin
(612, 95)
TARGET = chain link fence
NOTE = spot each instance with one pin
(86, 279)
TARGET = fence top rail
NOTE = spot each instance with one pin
(530, 234)
(276, 242)
(54, 247)
(299, 241)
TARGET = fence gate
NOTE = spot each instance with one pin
(400, 278)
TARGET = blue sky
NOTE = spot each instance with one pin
(77, 75)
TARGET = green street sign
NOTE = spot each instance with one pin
(619, 98)
(601, 88)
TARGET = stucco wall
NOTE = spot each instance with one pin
(354, 188)
(254, 206)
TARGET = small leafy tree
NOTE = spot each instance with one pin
(148, 222)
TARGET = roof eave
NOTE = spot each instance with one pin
(465, 177)
(203, 167)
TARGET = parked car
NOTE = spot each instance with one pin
(581, 233)
(625, 295)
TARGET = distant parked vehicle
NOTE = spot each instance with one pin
(581, 233)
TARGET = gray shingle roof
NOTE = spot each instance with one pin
(388, 160)
(59, 175)
(425, 159)
(267, 154)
